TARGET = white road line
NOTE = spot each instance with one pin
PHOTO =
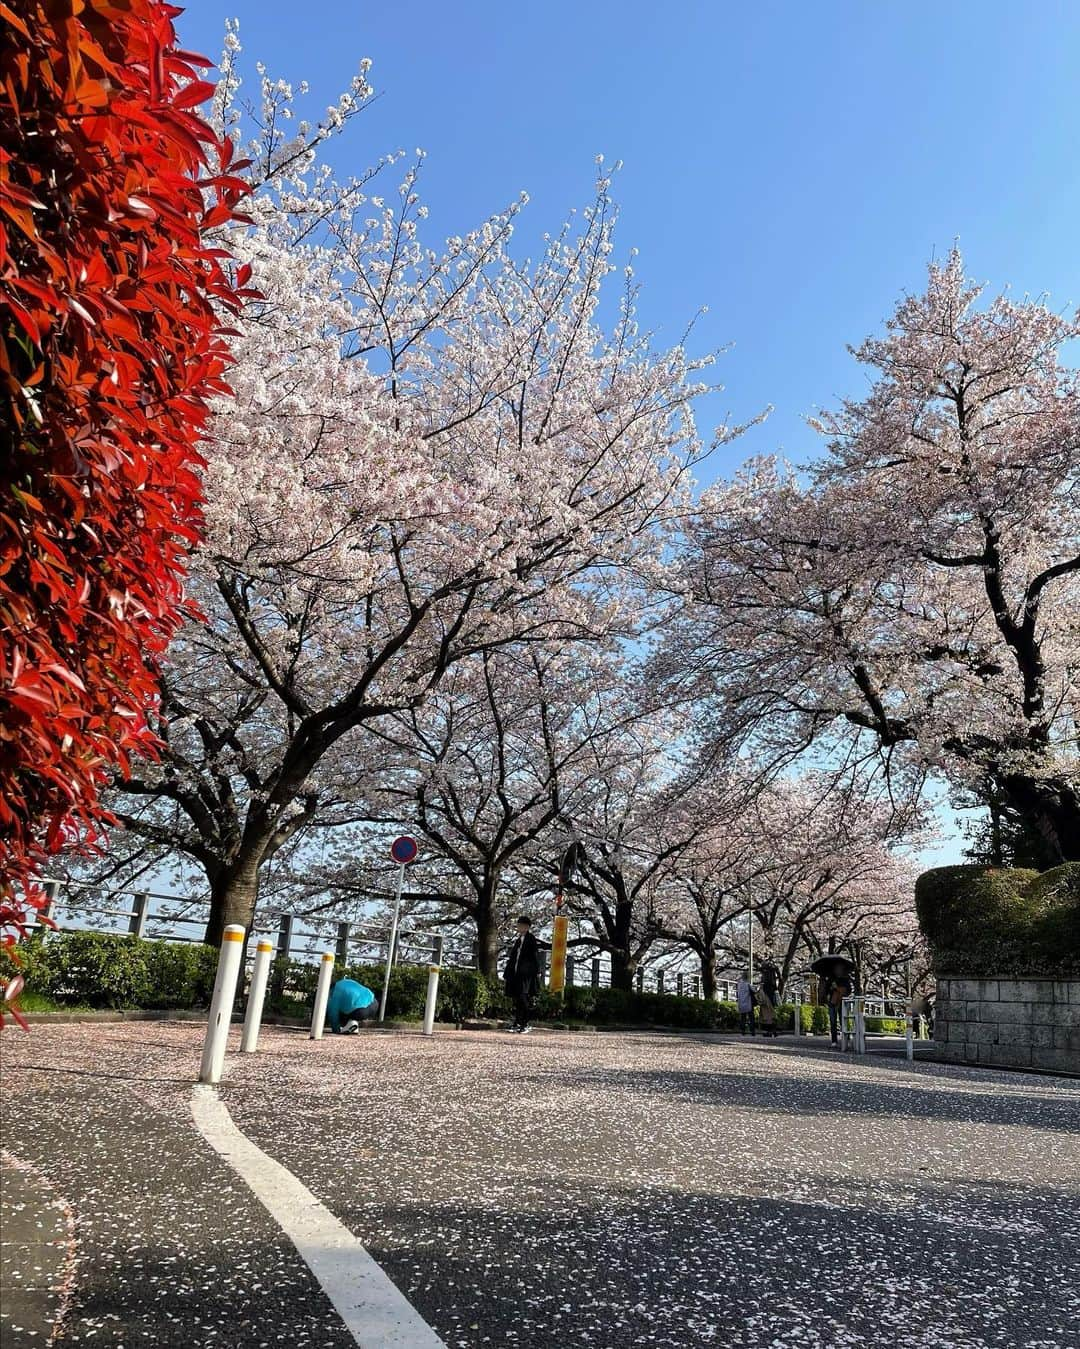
(376, 1313)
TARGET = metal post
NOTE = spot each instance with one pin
(137, 921)
(322, 994)
(750, 930)
(909, 1044)
(45, 913)
(797, 1005)
(679, 984)
(390, 952)
(342, 944)
(284, 946)
(433, 987)
(641, 979)
(860, 1026)
(260, 973)
(659, 981)
(559, 959)
(596, 972)
(221, 1004)
(285, 936)
(571, 971)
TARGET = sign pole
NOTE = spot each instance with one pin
(561, 925)
(393, 943)
(403, 851)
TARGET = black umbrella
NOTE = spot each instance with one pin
(828, 964)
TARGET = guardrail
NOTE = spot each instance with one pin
(76, 906)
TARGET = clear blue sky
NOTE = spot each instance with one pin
(793, 166)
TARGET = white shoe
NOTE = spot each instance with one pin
(525, 1030)
(350, 1028)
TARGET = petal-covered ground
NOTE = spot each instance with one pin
(564, 1190)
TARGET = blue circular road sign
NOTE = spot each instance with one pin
(403, 850)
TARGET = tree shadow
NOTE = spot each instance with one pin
(659, 1267)
(846, 1093)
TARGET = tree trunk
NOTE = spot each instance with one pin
(487, 939)
(233, 897)
(623, 969)
(708, 973)
(1052, 808)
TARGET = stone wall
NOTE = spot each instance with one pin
(1012, 1022)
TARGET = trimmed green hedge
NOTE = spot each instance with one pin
(108, 970)
(984, 921)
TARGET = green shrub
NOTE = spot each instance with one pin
(986, 921)
(785, 1017)
(179, 974)
(886, 1025)
(819, 1020)
(112, 970)
(98, 969)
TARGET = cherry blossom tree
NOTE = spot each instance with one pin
(488, 770)
(913, 598)
(627, 834)
(429, 455)
(810, 867)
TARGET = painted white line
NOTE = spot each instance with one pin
(376, 1313)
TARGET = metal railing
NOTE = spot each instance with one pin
(77, 906)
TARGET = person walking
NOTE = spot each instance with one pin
(835, 986)
(745, 999)
(769, 998)
(522, 975)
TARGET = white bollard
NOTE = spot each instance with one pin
(909, 1042)
(322, 994)
(432, 995)
(221, 1004)
(798, 1015)
(260, 974)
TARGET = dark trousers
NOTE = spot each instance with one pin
(836, 1015)
(746, 1021)
(523, 1004)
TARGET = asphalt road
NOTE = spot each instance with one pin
(565, 1190)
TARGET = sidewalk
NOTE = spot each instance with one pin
(37, 1248)
(171, 1249)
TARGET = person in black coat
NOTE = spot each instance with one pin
(522, 975)
(769, 998)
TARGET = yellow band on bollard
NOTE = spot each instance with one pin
(266, 946)
(328, 955)
(434, 969)
(232, 936)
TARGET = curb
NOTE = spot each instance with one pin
(181, 1014)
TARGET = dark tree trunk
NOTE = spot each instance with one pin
(1052, 809)
(487, 933)
(708, 973)
(623, 969)
(234, 894)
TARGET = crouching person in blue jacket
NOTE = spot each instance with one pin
(350, 1003)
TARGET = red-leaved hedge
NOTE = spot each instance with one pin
(110, 345)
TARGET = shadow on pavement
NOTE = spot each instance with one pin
(847, 1095)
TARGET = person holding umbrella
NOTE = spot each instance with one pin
(835, 985)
